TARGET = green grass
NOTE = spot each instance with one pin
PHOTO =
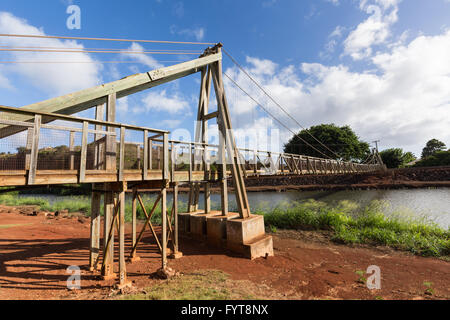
(201, 285)
(73, 204)
(350, 224)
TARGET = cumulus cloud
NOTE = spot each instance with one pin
(53, 79)
(375, 30)
(145, 59)
(404, 103)
(162, 101)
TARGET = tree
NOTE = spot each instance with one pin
(341, 140)
(439, 158)
(396, 158)
(432, 147)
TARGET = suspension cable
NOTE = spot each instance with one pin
(271, 98)
(275, 118)
(102, 39)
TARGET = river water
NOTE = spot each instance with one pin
(431, 204)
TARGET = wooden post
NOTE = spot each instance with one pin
(111, 146)
(95, 230)
(28, 148)
(107, 270)
(223, 174)
(138, 156)
(146, 156)
(175, 215)
(34, 150)
(173, 160)
(99, 146)
(83, 151)
(150, 154)
(122, 264)
(225, 127)
(122, 153)
(72, 150)
(134, 217)
(164, 224)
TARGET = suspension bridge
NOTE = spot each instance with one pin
(115, 158)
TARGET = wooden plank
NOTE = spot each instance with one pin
(34, 150)
(210, 116)
(84, 147)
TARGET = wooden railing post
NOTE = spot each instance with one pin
(34, 150)
(84, 135)
(122, 154)
(146, 156)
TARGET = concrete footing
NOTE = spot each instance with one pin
(243, 236)
(216, 229)
(198, 224)
(248, 237)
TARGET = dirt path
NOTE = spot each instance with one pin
(36, 251)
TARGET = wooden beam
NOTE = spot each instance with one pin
(85, 99)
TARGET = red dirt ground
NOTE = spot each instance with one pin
(35, 255)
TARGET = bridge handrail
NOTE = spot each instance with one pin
(79, 119)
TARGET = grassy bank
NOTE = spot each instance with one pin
(351, 224)
(347, 222)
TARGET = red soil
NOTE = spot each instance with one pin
(35, 255)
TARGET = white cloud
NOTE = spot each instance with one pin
(54, 79)
(145, 59)
(161, 101)
(404, 103)
(375, 30)
(196, 33)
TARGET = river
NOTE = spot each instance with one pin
(431, 204)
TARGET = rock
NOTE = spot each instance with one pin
(166, 273)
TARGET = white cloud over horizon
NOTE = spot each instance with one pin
(405, 102)
(51, 78)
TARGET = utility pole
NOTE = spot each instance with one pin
(376, 144)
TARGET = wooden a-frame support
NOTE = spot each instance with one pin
(228, 152)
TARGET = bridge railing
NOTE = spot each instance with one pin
(194, 157)
(84, 148)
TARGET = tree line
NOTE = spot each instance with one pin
(342, 143)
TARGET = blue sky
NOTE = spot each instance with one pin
(380, 66)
